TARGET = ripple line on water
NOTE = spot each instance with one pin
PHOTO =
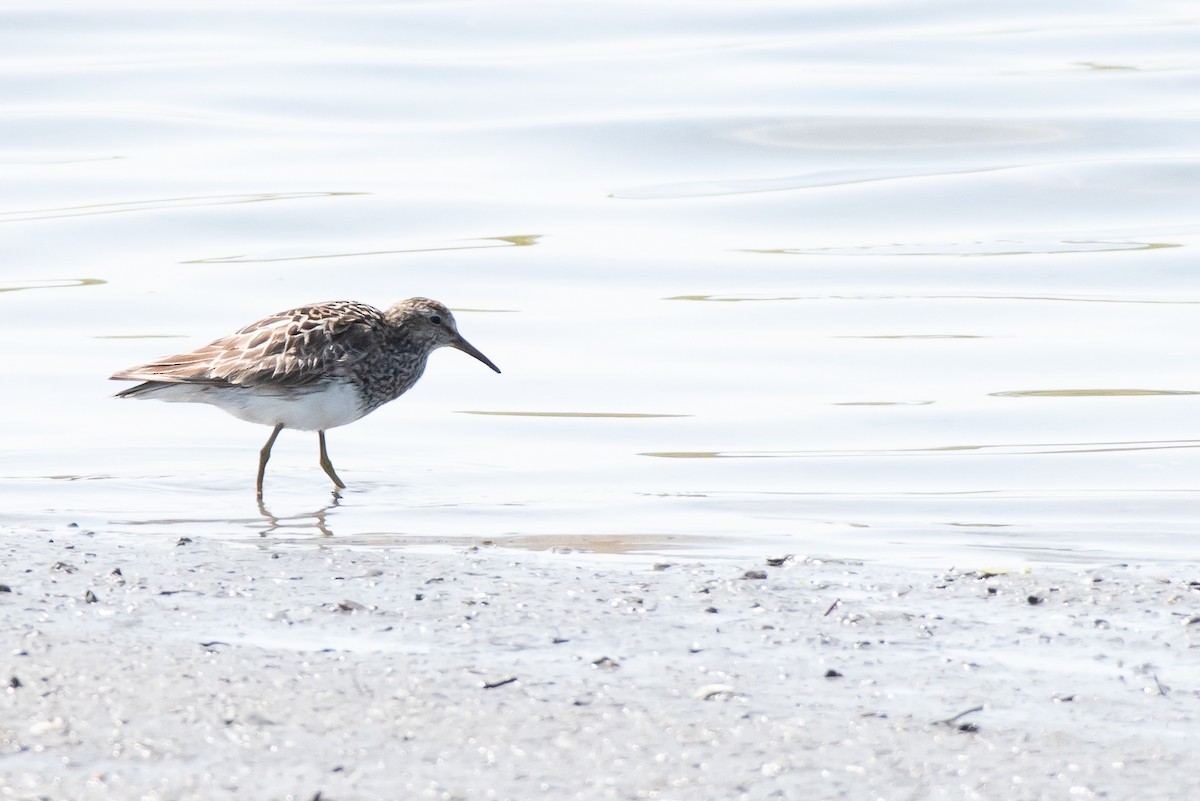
(910, 336)
(620, 415)
(515, 240)
(974, 249)
(160, 204)
(751, 298)
(1024, 449)
(814, 180)
(1090, 393)
(53, 283)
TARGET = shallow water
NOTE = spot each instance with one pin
(894, 282)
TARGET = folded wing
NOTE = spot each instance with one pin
(290, 349)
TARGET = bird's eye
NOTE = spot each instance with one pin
(435, 320)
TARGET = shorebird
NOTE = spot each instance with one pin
(312, 368)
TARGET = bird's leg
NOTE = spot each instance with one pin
(328, 465)
(263, 456)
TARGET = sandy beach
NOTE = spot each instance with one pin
(157, 668)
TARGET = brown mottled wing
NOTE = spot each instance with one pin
(292, 348)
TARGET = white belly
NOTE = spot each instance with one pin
(314, 409)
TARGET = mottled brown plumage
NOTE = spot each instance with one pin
(311, 368)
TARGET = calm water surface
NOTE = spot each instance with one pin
(912, 282)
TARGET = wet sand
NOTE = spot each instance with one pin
(155, 669)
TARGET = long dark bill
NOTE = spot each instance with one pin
(467, 347)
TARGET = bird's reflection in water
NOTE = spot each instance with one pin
(302, 523)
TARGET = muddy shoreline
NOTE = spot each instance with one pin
(196, 669)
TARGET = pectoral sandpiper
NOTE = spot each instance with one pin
(312, 368)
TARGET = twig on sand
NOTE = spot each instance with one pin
(491, 685)
(967, 727)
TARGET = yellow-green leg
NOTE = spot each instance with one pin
(328, 465)
(263, 456)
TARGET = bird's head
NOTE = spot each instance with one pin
(431, 323)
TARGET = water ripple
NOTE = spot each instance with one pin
(1089, 393)
(751, 298)
(811, 180)
(157, 204)
(941, 450)
(53, 283)
(620, 415)
(976, 249)
(514, 240)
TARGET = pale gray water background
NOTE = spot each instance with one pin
(900, 281)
